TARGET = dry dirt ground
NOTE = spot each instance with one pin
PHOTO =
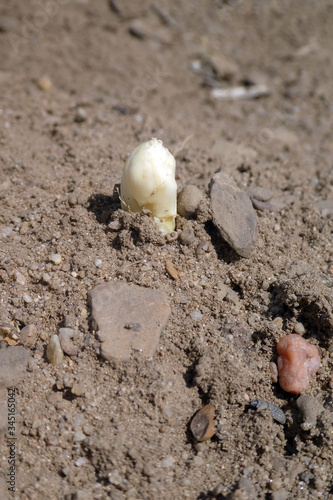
(81, 84)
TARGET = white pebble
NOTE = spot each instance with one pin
(98, 262)
(54, 352)
(6, 231)
(80, 461)
(27, 298)
(299, 329)
(56, 258)
(196, 315)
(277, 228)
(168, 462)
(19, 278)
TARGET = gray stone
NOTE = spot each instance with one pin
(187, 236)
(259, 193)
(233, 214)
(65, 336)
(13, 364)
(188, 201)
(309, 409)
(116, 308)
(28, 335)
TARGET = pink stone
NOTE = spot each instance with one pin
(298, 360)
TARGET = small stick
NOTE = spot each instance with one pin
(188, 138)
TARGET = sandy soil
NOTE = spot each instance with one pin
(81, 84)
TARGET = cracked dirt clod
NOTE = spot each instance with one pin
(309, 409)
(233, 214)
(115, 305)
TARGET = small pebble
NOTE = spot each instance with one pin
(196, 315)
(19, 278)
(114, 225)
(79, 436)
(56, 258)
(27, 298)
(188, 200)
(309, 409)
(275, 484)
(65, 336)
(72, 199)
(80, 461)
(259, 193)
(24, 228)
(28, 335)
(80, 115)
(54, 352)
(187, 237)
(44, 83)
(6, 231)
(299, 329)
(262, 206)
(298, 360)
(202, 248)
(46, 278)
(98, 262)
(202, 424)
(170, 237)
(168, 462)
(78, 389)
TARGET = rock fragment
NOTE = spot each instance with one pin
(202, 424)
(56, 258)
(233, 214)
(309, 409)
(298, 360)
(80, 115)
(116, 305)
(28, 335)
(188, 201)
(13, 364)
(65, 336)
(54, 352)
(187, 236)
(78, 389)
(44, 83)
(259, 193)
(244, 490)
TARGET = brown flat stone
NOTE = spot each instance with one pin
(233, 214)
(128, 318)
